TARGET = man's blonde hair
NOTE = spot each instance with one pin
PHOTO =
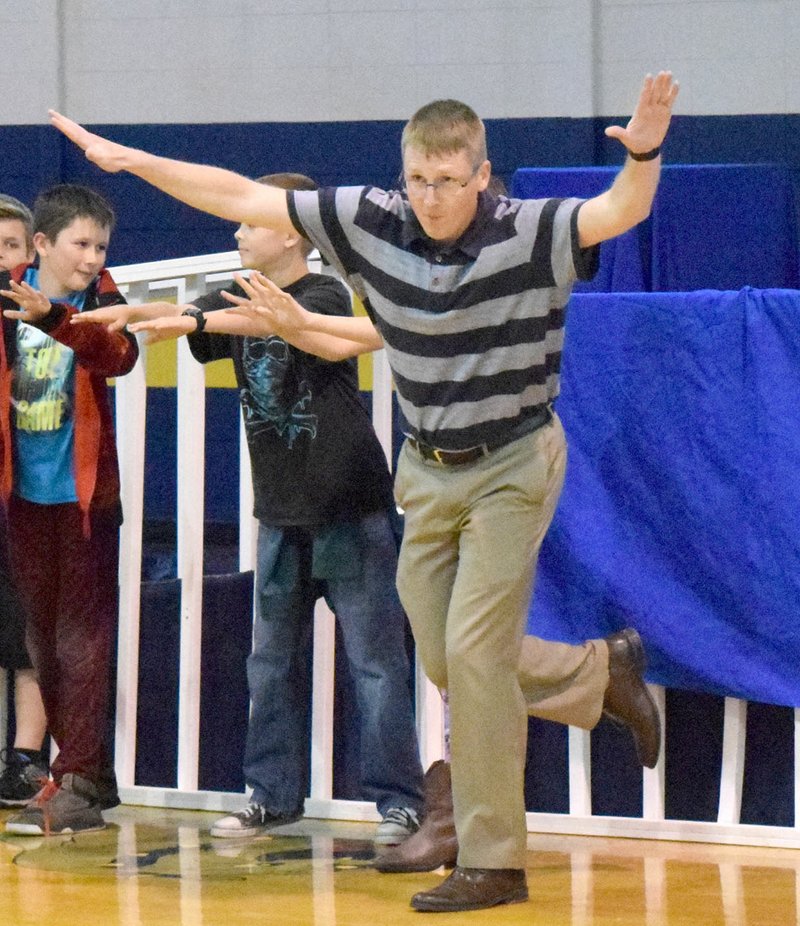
(446, 127)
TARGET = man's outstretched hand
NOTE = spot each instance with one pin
(108, 155)
(648, 125)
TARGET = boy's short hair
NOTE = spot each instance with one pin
(289, 181)
(58, 206)
(12, 208)
(446, 127)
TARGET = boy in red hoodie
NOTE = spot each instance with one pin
(59, 475)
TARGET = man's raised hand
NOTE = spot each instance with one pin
(648, 125)
(108, 155)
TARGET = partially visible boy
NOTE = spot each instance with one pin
(16, 233)
(25, 762)
(60, 479)
(323, 499)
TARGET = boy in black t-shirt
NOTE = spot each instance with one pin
(323, 499)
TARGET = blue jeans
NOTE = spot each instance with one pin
(353, 566)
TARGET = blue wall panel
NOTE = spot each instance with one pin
(152, 226)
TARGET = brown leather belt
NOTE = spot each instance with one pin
(471, 454)
(449, 457)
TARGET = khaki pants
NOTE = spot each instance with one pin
(465, 576)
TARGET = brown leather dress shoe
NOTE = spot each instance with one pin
(627, 701)
(435, 843)
(474, 889)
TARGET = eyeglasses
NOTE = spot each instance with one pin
(442, 187)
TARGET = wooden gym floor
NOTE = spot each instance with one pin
(152, 867)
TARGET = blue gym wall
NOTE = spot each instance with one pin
(151, 226)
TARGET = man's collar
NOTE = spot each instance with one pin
(469, 243)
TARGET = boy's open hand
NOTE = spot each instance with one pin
(116, 317)
(108, 155)
(267, 303)
(33, 305)
(648, 125)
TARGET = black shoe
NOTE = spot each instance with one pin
(106, 784)
(627, 701)
(397, 825)
(474, 889)
(22, 778)
(251, 821)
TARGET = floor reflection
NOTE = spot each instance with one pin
(155, 866)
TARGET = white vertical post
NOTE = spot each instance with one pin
(580, 772)
(322, 702)
(653, 799)
(131, 405)
(732, 771)
(382, 401)
(191, 491)
(430, 719)
(248, 525)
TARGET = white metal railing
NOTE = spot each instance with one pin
(185, 280)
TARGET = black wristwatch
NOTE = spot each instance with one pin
(197, 315)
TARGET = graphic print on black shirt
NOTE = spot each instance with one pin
(315, 459)
(275, 399)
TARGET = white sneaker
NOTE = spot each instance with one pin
(397, 825)
(251, 821)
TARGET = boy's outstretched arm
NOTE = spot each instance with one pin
(175, 324)
(116, 317)
(211, 189)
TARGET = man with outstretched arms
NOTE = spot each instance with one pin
(466, 289)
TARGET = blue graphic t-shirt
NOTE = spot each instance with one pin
(42, 400)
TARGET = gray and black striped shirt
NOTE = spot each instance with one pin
(473, 330)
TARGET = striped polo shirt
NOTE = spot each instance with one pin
(473, 330)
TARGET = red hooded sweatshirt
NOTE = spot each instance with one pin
(99, 354)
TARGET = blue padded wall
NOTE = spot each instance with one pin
(152, 226)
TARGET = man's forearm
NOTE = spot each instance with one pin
(212, 189)
(626, 203)
(328, 346)
(356, 328)
(634, 190)
(320, 344)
